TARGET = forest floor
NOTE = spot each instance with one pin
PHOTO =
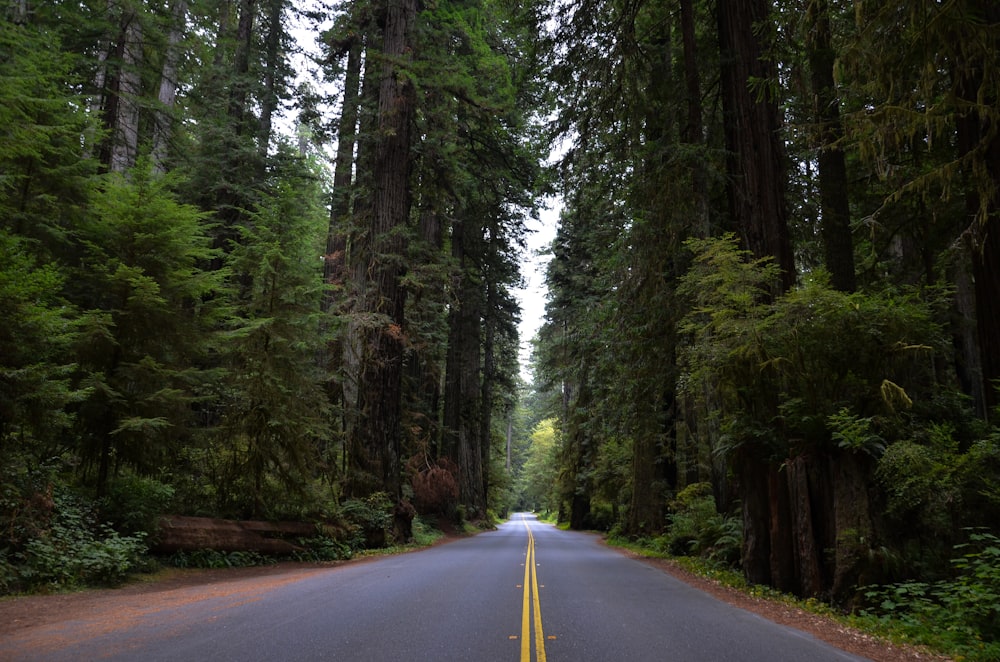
(21, 613)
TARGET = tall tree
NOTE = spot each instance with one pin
(756, 189)
(757, 161)
(832, 180)
(380, 379)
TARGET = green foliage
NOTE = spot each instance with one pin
(370, 519)
(277, 416)
(698, 529)
(537, 485)
(854, 433)
(134, 504)
(211, 558)
(323, 548)
(44, 174)
(960, 615)
(75, 550)
(38, 329)
(153, 311)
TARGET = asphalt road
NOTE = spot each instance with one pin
(525, 592)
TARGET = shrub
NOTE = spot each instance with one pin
(215, 559)
(698, 529)
(435, 489)
(961, 614)
(77, 551)
(135, 504)
(370, 519)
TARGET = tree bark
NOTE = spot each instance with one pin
(756, 192)
(756, 161)
(121, 110)
(977, 132)
(380, 387)
(692, 132)
(167, 96)
(269, 96)
(463, 392)
(833, 186)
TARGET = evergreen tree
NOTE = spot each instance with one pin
(274, 432)
(149, 320)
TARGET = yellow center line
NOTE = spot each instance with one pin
(531, 601)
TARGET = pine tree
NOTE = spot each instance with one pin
(150, 312)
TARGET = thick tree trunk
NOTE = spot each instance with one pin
(692, 133)
(783, 570)
(833, 187)
(121, 111)
(756, 163)
(463, 391)
(853, 523)
(167, 96)
(269, 96)
(756, 188)
(380, 387)
(804, 545)
(339, 233)
(753, 490)
(358, 258)
(977, 131)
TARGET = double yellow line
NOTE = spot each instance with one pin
(531, 602)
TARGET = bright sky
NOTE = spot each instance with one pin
(532, 296)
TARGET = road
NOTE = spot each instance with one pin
(526, 592)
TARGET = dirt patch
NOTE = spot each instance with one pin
(166, 587)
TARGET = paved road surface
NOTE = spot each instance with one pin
(526, 592)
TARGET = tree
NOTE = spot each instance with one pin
(149, 315)
(276, 416)
(832, 178)
(380, 377)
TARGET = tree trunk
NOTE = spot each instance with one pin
(978, 132)
(804, 545)
(692, 133)
(121, 110)
(335, 263)
(167, 96)
(756, 192)
(462, 398)
(380, 386)
(756, 159)
(853, 523)
(833, 187)
(269, 95)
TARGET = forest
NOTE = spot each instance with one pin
(260, 262)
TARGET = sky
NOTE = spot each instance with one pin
(532, 296)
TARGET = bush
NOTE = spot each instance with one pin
(323, 548)
(370, 520)
(698, 529)
(135, 504)
(214, 559)
(960, 614)
(77, 551)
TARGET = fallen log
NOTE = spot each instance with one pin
(183, 533)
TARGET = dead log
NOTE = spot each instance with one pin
(181, 533)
